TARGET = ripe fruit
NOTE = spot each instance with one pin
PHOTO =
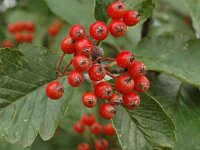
(101, 144)
(20, 26)
(53, 30)
(89, 99)
(137, 69)
(125, 59)
(79, 127)
(68, 45)
(142, 84)
(116, 10)
(103, 90)
(54, 90)
(97, 52)
(75, 78)
(83, 146)
(97, 72)
(88, 119)
(124, 84)
(19, 37)
(7, 43)
(77, 32)
(84, 46)
(96, 128)
(108, 129)
(117, 28)
(115, 99)
(12, 28)
(29, 25)
(131, 100)
(99, 31)
(107, 111)
(131, 17)
(28, 37)
(81, 63)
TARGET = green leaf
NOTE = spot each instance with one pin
(175, 55)
(8, 146)
(181, 101)
(149, 127)
(25, 109)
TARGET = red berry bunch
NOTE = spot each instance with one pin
(6, 43)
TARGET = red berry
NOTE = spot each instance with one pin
(116, 10)
(53, 30)
(107, 111)
(83, 146)
(103, 90)
(77, 32)
(101, 144)
(142, 84)
(117, 28)
(79, 127)
(81, 63)
(96, 128)
(137, 69)
(131, 100)
(125, 59)
(89, 99)
(131, 17)
(97, 72)
(19, 37)
(88, 119)
(28, 37)
(84, 46)
(20, 26)
(68, 45)
(54, 90)
(99, 31)
(108, 129)
(75, 78)
(115, 99)
(12, 28)
(7, 43)
(124, 84)
(29, 25)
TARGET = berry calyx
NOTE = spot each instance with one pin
(84, 46)
(88, 119)
(109, 130)
(77, 32)
(101, 144)
(96, 128)
(99, 31)
(117, 28)
(131, 100)
(89, 99)
(54, 90)
(68, 45)
(97, 72)
(115, 100)
(75, 78)
(137, 69)
(79, 127)
(107, 111)
(116, 10)
(103, 90)
(81, 63)
(83, 146)
(142, 84)
(131, 17)
(125, 59)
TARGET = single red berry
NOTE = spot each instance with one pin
(108, 129)
(29, 26)
(12, 28)
(137, 69)
(115, 99)
(131, 100)
(88, 119)
(53, 30)
(79, 127)
(116, 10)
(77, 32)
(96, 128)
(68, 45)
(117, 28)
(75, 78)
(54, 90)
(89, 99)
(103, 90)
(131, 17)
(28, 37)
(97, 72)
(125, 59)
(7, 43)
(124, 84)
(81, 63)
(84, 46)
(101, 144)
(83, 146)
(142, 84)
(20, 26)
(107, 111)
(19, 37)
(99, 31)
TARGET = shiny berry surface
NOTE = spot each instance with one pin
(107, 111)
(103, 90)
(68, 45)
(89, 99)
(97, 72)
(81, 63)
(117, 28)
(75, 78)
(131, 100)
(77, 32)
(88, 119)
(54, 90)
(96, 128)
(137, 69)
(116, 10)
(142, 84)
(99, 31)
(131, 17)
(125, 59)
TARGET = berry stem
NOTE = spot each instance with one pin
(111, 64)
(111, 75)
(59, 63)
(108, 59)
(67, 66)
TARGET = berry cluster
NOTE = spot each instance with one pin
(6, 43)
(96, 128)
(89, 57)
